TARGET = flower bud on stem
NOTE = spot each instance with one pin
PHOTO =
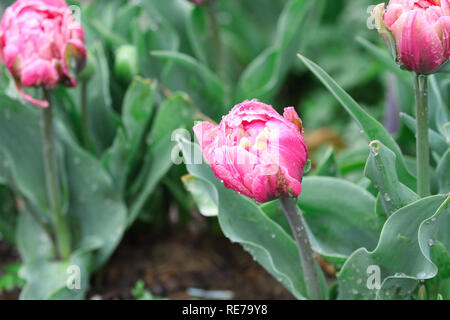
(52, 180)
(304, 247)
(422, 144)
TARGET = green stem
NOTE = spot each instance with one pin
(84, 115)
(297, 225)
(422, 142)
(216, 41)
(52, 181)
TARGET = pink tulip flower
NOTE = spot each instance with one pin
(41, 44)
(255, 151)
(420, 31)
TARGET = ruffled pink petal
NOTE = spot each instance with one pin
(38, 73)
(291, 115)
(30, 99)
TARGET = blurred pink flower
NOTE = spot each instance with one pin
(197, 2)
(255, 151)
(421, 29)
(41, 44)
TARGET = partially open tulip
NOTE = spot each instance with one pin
(418, 32)
(41, 44)
(255, 151)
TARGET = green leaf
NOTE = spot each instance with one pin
(402, 255)
(96, 207)
(99, 103)
(438, 110)
(242, 221)
(200, 35)
(124, 15)
(352, 160)
(383, 56)
(138, 106)
(437, 142)
(33, 240)
(151, 31)
(205, 196)
(339, 225)
(372, 128)
(21, 148)
(443, 173)
(381, 170)
(212, 88)
(158, 158)
(328, 165)
(57, 277)
(263, 77)
(439, 285)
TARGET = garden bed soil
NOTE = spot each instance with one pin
(172, 262)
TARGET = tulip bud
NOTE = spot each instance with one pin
(255, 151)
(419, 29)
(41, 44)
(126, 63)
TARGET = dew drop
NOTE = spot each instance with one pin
(421, 275)
(431, 242)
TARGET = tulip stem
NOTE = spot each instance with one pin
(297, 225)
(52, 181)
(422, 142)
(216, 40)
(84, 114)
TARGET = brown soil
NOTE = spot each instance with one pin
(8, 255)
(170, 263)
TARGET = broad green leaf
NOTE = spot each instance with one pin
(33, 239)
(99, 103)
(440, 285)
(96, 208)
(381, 170)
(124, 15)
(109, 36)
(175, 114)
(116, 159)
(443, 173)
(151, 31)
(138, 106)
(439, 112)
(201, 37)
(328, 165)
(44, 275)
(204, 195)
(402, 255)
(263, 77)
(372, 128)
(22, 149)
(339, 225)
(383, 56)
(275, 212)
(49, 279)
(352, 160)
(437, 141)
(213, 89)
(242, 221)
